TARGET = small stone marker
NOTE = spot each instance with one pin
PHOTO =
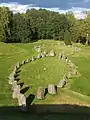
(40, 93)
(74, 72)
(62, 83)
(51, 89)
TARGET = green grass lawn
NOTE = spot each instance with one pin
(35, 75)
(42, 72)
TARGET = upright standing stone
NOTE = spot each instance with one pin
(74, 72)
(52, 53)
(37, 48)
(39, 56)
(47, 54)
(60, 55)
(62, 83)
(63, 57)
(51, 89)
(14, 85)
(18, 65)
(40, 93)
(69, 75)
(27, 60)
(32, 58)
(16, 92)
(66, 60)
(11, 79)
(42, 55)
(23, 62)
(69, 61)
(15, 70)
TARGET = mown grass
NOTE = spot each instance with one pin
(33, 73)
(42, 72)
(82, 60)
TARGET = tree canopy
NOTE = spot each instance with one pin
(42, 24)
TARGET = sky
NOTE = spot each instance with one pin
(61, 6)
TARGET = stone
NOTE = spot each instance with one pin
(39, 56)
(62, 83)
(32, 58)
(69, 61)
(21, 100)
(47, 54)
(69, 75)
(63, 57)
(14, 85)
(71, 65)
(11, 79)
(11, 75)
(23, 62)
(16, 92)
(74, 72)
(15, 70)
(37, 48)
(43, 55)
(69, 46)
(18, 65)
(51, 89)
(27, 60)
(52, 53)
(66, 60)
(40, 93)
(60, 56)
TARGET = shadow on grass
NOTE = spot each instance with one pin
(17, 79)
(16, 75)
(46, 112)
(30, 99)
(24, 90)
(21, 84)
(18, 71)
(46, 91)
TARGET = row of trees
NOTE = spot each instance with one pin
(42, 24)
